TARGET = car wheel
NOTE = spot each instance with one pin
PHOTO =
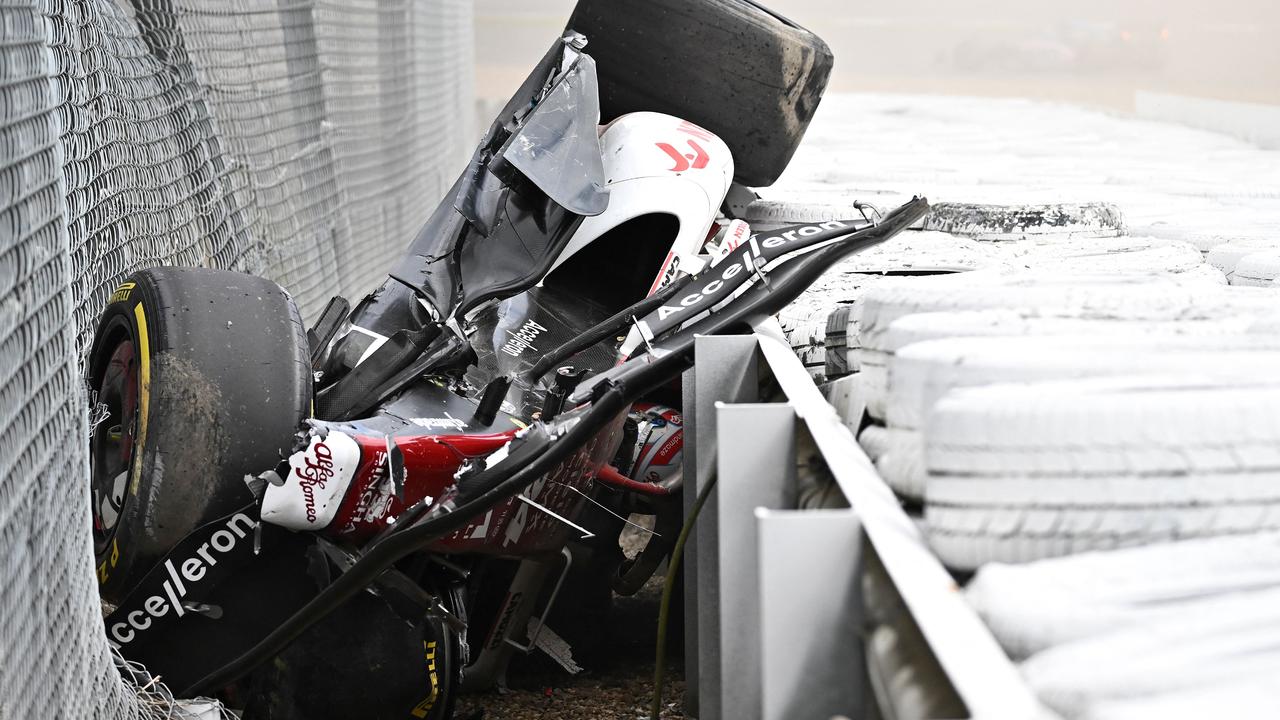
(200, 377)
(746, 74)
(392, 664)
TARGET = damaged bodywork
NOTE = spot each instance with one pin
(484, 423)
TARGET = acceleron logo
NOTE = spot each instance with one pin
(749, 260)
(177, 580)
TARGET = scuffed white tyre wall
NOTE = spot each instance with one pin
(304, 141)
(1020, 472)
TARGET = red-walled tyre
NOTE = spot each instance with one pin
(201, 377)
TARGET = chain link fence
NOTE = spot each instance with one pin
(301, 140)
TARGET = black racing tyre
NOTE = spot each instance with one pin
(362, 661)
(746, 74)
(201, 377)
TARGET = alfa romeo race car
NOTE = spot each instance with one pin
(360, 518)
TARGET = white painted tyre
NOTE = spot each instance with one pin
(902, 464)
(1258, 269)
(823, 324)
(1042, 294)
(1227, 256)
(764, 214)
(874, 440)
(1018, 222)
(1248, 697)
(806, 332)
(1032, 607)
(1021, 472)
(819, 323)
(1229, 640)
(1203, 237)
(1127, 255)
(1148, 298)
(837, 294)
(922, 373)
(1001, 322)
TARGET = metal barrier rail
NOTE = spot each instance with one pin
(780, 601)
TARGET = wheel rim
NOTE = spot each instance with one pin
(112, 437)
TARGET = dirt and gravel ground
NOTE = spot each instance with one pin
(617, 677)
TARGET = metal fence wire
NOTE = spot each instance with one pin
(301, 140)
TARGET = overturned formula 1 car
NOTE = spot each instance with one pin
(360, 518)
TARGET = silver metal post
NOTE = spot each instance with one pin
(757, 459)
(727, 371)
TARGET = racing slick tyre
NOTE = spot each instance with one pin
(366, 661)
(1021, 472)
(200, 377)
(743, 72)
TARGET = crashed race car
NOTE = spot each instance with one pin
(364, 517)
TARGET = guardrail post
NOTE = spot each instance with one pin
(756, 454)
(726, 370)
(811, 645)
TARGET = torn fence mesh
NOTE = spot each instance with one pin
(303, 141)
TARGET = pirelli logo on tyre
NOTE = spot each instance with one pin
(424, 708)
(122, 293)
(109, 564)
